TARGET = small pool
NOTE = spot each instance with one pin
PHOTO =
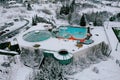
(76, 32)
(63, 52)
(88, 41)
(36, 36)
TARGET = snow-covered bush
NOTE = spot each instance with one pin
(4, 11)
(95, 69)
(46, 11)
(5, 68)
(118, 62)
(9, 16)
(22, 11)
(74, 18)
(39, 10)
(98, 17)
(115, 17)
(87, 5)
(49, 70)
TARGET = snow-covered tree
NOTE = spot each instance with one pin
(72, 6)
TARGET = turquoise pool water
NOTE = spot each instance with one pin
(36, 36)
(68, 31)
(88, 41)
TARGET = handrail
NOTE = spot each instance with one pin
(5, 52)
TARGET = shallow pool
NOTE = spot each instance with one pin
(36, 36)
(68, 31)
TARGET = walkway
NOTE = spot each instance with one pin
(111, 36)
(15, 30)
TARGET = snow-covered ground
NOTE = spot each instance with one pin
(19, 71)
(108, 70)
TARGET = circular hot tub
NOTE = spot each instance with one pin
(36, 36)
(63, 52)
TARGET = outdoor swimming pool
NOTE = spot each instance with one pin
(76, 32)
(36, 36)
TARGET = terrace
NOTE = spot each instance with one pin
(52, 44)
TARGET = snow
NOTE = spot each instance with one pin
(108, 70)
(100, 8)
(16, 25)
(2, 58)
(62, 43)
(22, 73)
(19, 71)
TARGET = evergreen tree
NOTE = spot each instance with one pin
(95, 23)
(34, 21)
(64, 10)
(67, 10)
(83, 21)
(112, 19)
(95, 20)
(72, 6)
(29, 7)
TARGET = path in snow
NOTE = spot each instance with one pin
(19, 71)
